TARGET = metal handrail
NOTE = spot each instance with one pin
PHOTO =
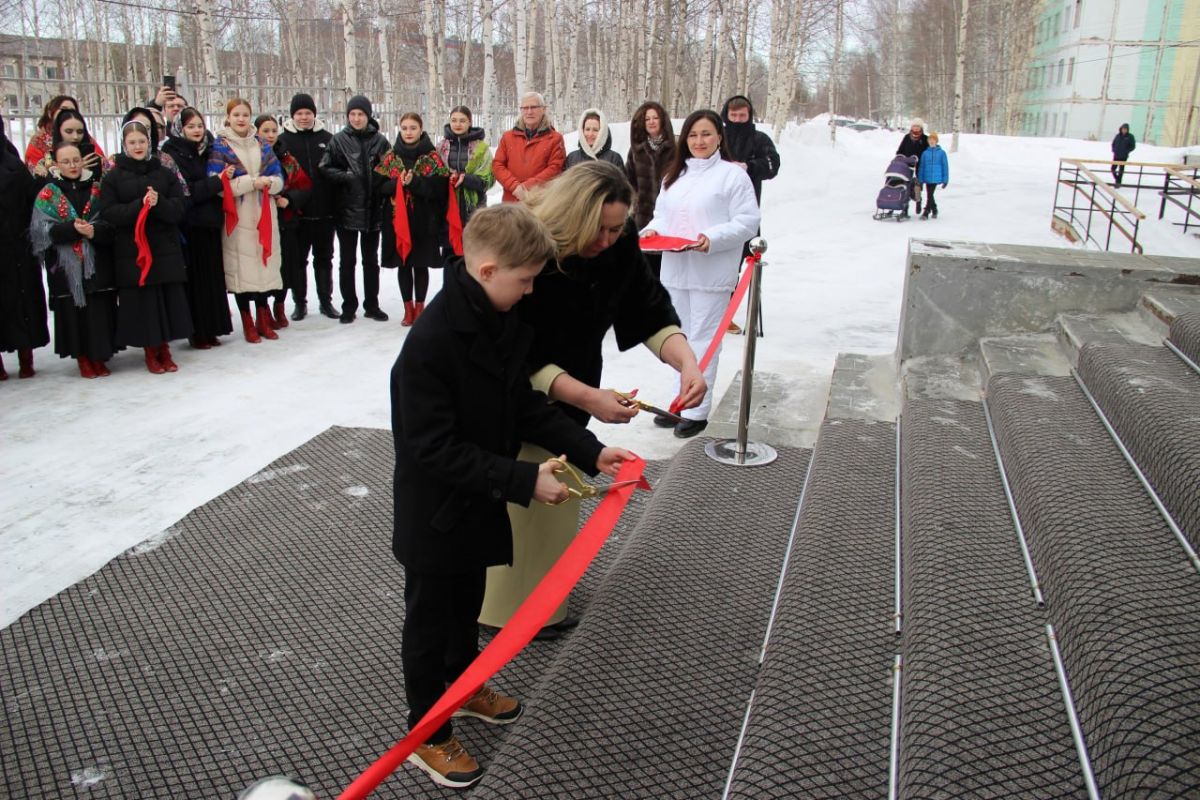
(1113, 208)
(1104, 187)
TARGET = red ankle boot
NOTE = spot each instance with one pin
(418, 310)
(86, 368)
(264, 324)
(101, 369)
(3, 371)
(152, 364)
(164, 357)
(281, 320)
(25, 359)
(249, 329)
(199, 342)
(410, 313)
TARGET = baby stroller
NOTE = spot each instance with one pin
(899, 184)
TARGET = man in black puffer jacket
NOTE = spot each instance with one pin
(307, 140)
(750, 148)
(349, 164)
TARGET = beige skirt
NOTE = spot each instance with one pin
(540, 535)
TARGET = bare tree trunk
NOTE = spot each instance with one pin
(385, 66)
(835, 74)
(488, 111)
(521, 47)
(433, 63)
(959, 75)
(349, 45)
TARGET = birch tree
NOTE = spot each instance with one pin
(959, 74)
(349, 45)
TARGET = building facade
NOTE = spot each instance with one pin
(1098, 64)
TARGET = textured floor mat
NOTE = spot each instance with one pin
(1124, 599)
(647, 698)
(982, 713)
(259, 635)
(1185, 334)
(821, 717)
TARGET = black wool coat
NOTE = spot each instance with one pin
(752, 147)
(426, 215)
(1122, 145)
(77, 194)
(309, 148)
(349, 165)
(574, 305)
(204, 205)
(121, 194)
(461, 406)
(23, 310)
(913, 147)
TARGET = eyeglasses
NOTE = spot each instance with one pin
(530, 108)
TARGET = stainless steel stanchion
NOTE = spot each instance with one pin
(739, 452)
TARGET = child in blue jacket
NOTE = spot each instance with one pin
(933, 169)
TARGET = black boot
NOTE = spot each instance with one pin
(327, 310)
(299, 312)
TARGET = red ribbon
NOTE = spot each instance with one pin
(545, 599)
(228, 204)
(144, 257)
(400, 222)
(455, 223)
(264, 226)
(734, 302)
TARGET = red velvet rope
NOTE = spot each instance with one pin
(545, 599)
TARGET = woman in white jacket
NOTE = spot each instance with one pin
(251, 250)
(707, 198)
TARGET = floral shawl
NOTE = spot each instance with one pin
(479, 164)
(78, 259)
(426, 164)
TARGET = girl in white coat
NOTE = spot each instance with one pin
(707, 198)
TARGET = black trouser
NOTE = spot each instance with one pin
(930, 203)
(243, 299)
(441, 637)
(289, 251)
(1118, 171)
(316, 236)
(368, 242)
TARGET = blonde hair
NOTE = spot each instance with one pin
(508, 233)
(932, 136)
(571, 205)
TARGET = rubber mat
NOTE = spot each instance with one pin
(820, 722)
(1124, 599)
(1185, 334)
(647, 697)
(982, 715)
(260, 635)
(1153, 400)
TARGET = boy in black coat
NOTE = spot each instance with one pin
(461, 406)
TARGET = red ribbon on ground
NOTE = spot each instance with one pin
(545, 599)
(455, 223)
(734, 302)
(144, 257)
(400, 222)
(228, 204)
(264, 226)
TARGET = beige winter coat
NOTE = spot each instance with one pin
(244, 270)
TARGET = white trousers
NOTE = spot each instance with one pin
(700, 313)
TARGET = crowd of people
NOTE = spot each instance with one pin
(142, 248)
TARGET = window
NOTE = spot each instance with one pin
(52, 72)
(1078, 11)
(10, 70)
(1062, 74)
(1071, 70)
(10, 102)
(31, 71)
(34, 101)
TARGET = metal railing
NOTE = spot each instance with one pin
(1097, 206)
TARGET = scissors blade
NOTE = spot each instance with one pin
(617, 485)
(658, 412)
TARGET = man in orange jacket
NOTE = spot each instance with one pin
(531, 153)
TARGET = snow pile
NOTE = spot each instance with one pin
(92, 468)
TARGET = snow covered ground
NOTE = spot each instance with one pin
(91, 468)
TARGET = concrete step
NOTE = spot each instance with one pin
(982, 708)
(1152, 399)
(864, 387)
(1160, 307)
(1185, 335)
(786, 409)
(647, 696)
(1120, 592)
(1030, 354)
(941, 378)
(1076, 330)
(819, 724)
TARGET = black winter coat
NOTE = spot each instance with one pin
(573, 307)
(77, 193)
(458, 153)
(121, 195)
(426, 215)
(308, 148)
(752, 147)
(349, 165)
(22, 299)
(204, 205)
(1122, 145)
(578, 156)
(461, 406)
(913, 147)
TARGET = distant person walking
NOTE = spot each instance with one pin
(531, 153)
(595, 141)
(933, 169)
(914, 143)
(1122, 145)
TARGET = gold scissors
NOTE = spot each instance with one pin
(582, 489)
(628, 399)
